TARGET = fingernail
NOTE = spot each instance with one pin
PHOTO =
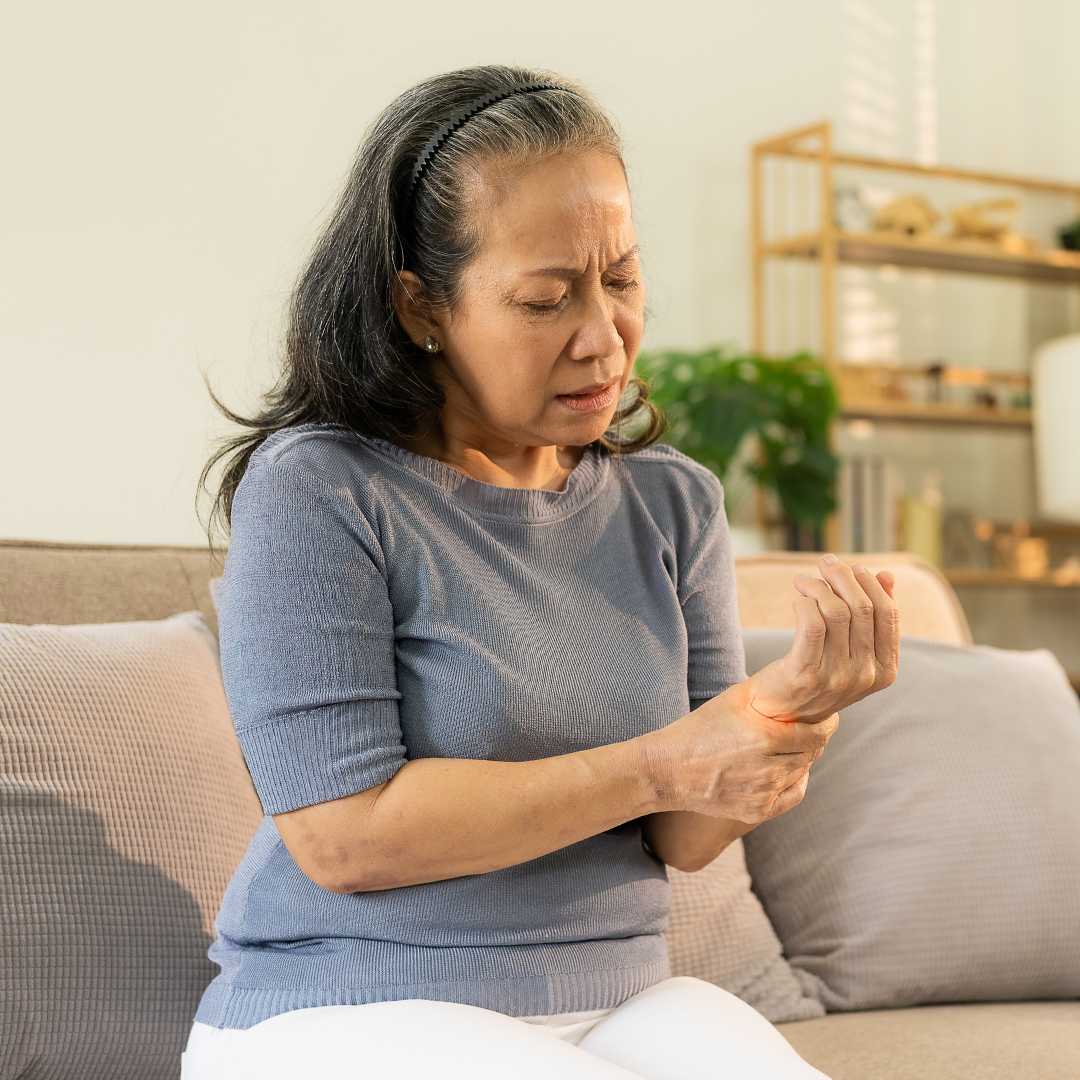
(829, 558)
(860, 569)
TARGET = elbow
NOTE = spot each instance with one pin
(688, 868)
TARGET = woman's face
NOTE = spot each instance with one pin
(554, 302)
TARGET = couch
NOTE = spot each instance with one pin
(60, 583)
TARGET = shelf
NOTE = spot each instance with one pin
(905, 412)
(956, 256)
(787, 146)
(961, 576)
(873, 390)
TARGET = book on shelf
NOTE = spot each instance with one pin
(870, 490)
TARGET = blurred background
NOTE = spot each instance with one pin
(859, 219)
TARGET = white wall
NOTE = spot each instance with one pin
(168, 168)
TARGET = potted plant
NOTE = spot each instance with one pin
(716, 397)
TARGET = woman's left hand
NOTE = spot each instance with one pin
(847, 646)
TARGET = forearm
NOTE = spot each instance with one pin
(442, 818)
(687, 840)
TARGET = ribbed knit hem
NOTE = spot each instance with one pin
(645, 959)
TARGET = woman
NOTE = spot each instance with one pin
(479, 643)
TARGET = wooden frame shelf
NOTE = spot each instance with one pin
(801, 222)
(824, 242)
(965, 576)
(954, 256)
(905, 412)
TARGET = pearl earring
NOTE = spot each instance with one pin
(431, 344)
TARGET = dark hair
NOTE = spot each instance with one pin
(348, 361)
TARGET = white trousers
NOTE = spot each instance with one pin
(682, 1028)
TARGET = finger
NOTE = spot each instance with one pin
(836, 655)
(886, 617)
(861, 632)
(810, 631)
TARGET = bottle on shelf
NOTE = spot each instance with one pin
(921, 517)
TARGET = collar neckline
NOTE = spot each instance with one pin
(490, 500)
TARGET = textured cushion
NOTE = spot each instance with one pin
(936, 855)
(124, 807)
(719, 932)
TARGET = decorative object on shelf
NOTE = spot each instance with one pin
(1069, 236)
(970, 222)
(910, 215)
(921, 518)
(1032, 557)
(915, 218)
(934, 372)
(870, 384)
(1056, 382)
(1020, 554)
(877, 385)
(1068, 573)
(714, 398)
(871, 493)
(965, 545)
(851, 210)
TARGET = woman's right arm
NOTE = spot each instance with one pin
(442, 818)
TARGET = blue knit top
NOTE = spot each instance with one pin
(378, 605)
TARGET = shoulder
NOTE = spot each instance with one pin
(681, 497)
(681, 490)
(318, 472)
(321, 456)
(671, 464)
(322, 449)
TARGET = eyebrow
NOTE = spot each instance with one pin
(573, 272)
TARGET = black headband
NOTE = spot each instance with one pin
(434, 144)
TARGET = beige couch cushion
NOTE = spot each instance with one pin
(719, 932)
(124, 808)
(936, 855)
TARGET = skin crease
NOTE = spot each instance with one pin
(502, 364)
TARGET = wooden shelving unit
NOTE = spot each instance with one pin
(825, 243)
(829, 246)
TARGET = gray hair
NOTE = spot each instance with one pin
(347, 358)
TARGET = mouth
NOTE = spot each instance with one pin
(591, 401)
(588, 391)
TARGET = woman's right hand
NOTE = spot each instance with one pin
(727, 760)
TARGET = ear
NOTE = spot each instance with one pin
(412, 309)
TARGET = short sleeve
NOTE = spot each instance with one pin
(307, 639)
(710, 605)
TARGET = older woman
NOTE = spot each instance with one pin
(480, 638)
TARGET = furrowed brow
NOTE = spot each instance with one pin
(569, 272)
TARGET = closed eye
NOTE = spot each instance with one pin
(618, 286)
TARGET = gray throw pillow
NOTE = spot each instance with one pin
(125, 806)
(936, 855)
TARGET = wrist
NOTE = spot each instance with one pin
(657, 771)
